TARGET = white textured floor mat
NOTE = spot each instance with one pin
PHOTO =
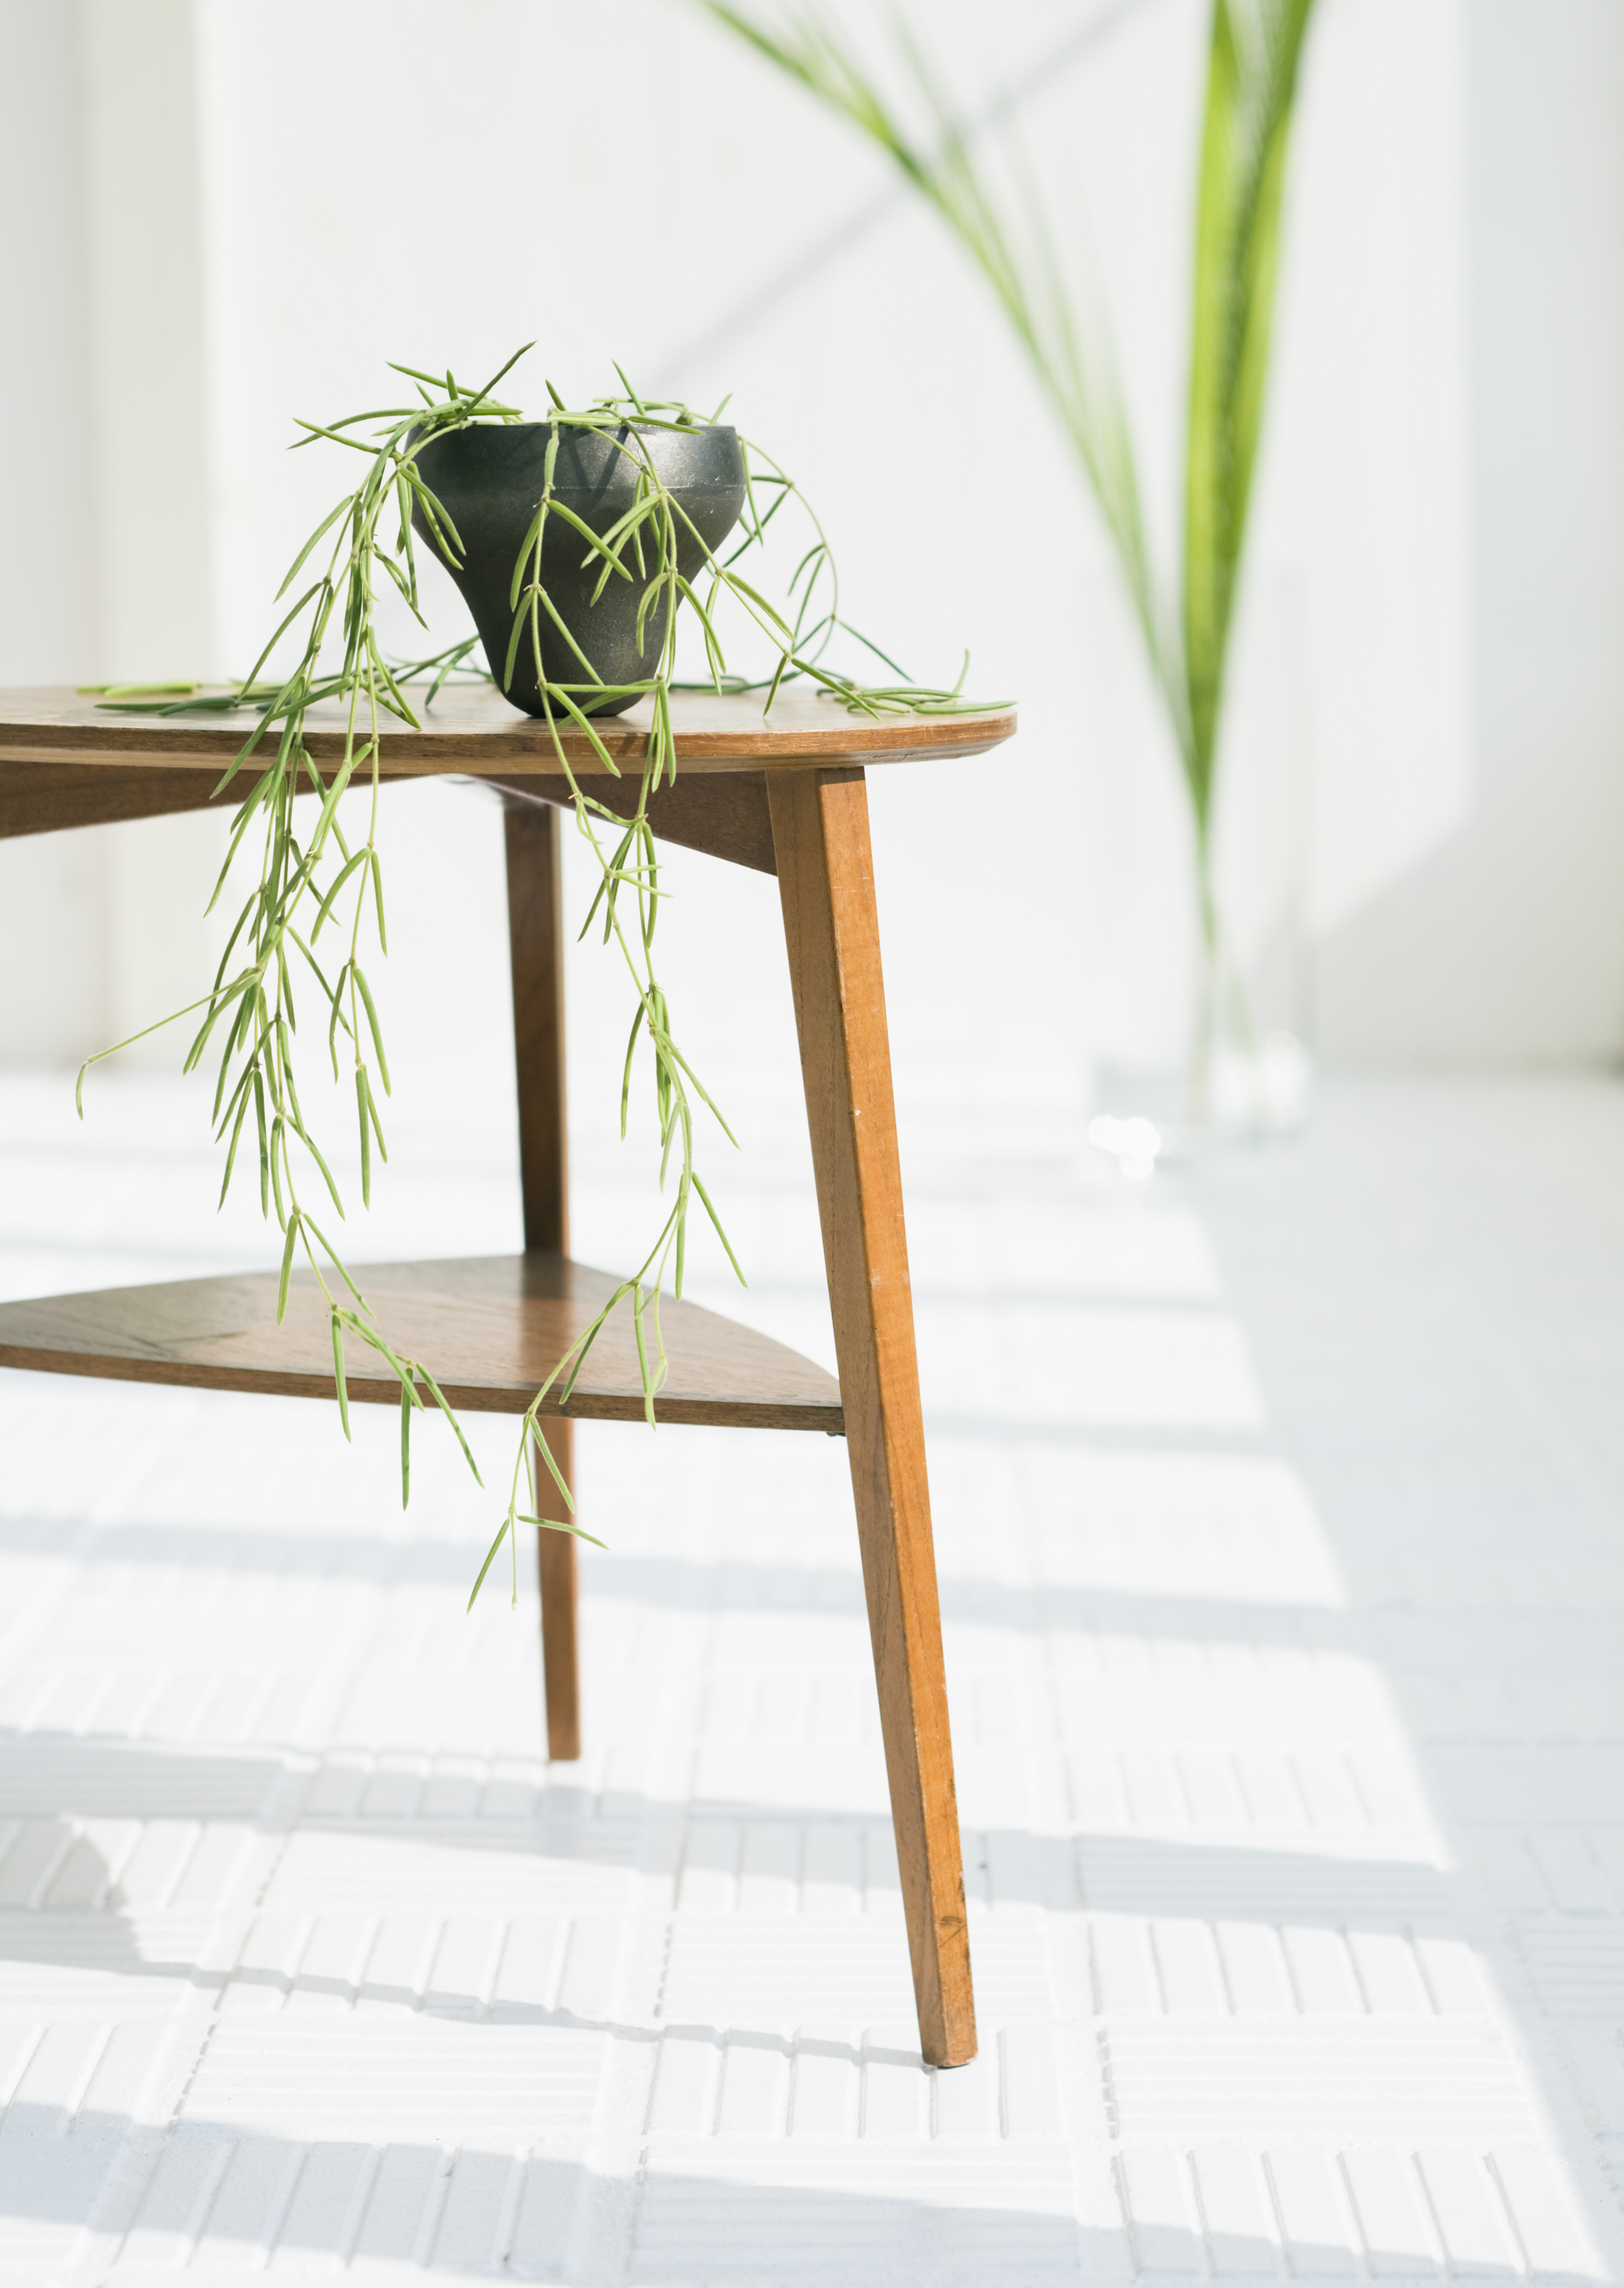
(1282, 1529)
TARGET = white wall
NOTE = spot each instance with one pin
(52, 969)
(108, 569)
(1501, 935)
(228, 237)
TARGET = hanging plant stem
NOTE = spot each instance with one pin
(304, 885)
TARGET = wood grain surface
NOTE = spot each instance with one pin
(560, 1588)
(490, 1328)
(826, 882)
(536, 938)
(42, 798)
(475, 731)
(535, 941)
(722, 814)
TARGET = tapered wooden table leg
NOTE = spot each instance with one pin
(556, 1562)
(535, 933)
(826, 878)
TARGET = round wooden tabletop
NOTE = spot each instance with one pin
(473, 731)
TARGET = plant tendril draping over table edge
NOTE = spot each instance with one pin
(249, 1011)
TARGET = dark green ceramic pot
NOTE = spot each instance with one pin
(489, 477)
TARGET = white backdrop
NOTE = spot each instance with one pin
(230, 212)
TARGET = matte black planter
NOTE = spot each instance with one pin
(490, 478)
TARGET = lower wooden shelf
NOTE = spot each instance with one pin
(489, 1327)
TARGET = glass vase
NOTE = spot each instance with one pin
(1234, 1068)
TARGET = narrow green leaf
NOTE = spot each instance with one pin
(287, 1272)
(406, 1444)
(297, 566)
(332, 1256)
(637, 1026)
(366, 1136)
(344, 1394)
(376, 1030)
(372, 1114)
(490, 1554)
(716, 1221)
(540, 1446)
(264, 1153)
(643, 1366)
(441, 1401)
(326, 906)
(309, 1142)
(230, 1156)
(563, 1525)
(596, 545)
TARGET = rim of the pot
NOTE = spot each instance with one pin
(642, 428)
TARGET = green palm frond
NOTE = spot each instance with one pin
(1252, 71)
(1251, 81)
(1073, 361)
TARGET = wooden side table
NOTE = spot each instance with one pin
(785, 795)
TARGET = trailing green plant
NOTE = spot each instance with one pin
(1255, 49)
(309, 881)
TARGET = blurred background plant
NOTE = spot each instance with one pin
(1234, 1082)
(1434, 551)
